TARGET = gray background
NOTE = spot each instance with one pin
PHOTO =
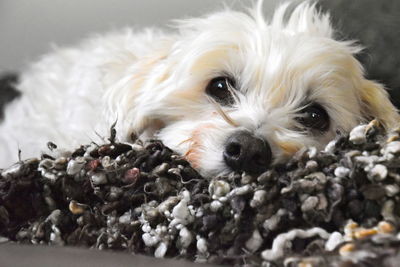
(29, 27)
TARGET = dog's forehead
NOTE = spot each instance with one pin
(270, 60)
(247, 42)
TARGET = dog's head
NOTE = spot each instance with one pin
(233, 91)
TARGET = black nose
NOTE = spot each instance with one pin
(245, 152)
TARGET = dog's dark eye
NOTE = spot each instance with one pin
(314, 117)
(218, 88)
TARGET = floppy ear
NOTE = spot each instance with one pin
(135, 92)
(376, 105)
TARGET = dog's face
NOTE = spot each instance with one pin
(234, 92)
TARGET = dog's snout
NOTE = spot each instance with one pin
(246, 152)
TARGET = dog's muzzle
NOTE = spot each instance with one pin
(246, 152)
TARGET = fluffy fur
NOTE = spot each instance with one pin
(153, 83)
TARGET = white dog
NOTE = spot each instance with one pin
(229, 91)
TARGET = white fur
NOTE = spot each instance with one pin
(153, 82)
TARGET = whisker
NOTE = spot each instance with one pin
(102, 138)
(223, 114)
(234, 93)
(185, 141)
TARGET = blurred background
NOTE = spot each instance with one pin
(29, 28)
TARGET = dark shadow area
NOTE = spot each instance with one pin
(7, 90)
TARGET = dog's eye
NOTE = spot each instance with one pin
(218, 88)
(314, 117)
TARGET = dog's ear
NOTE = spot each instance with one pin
(376, 105)
(135, 90)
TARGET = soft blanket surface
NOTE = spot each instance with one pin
(323, 208)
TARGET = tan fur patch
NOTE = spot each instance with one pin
(288, 147)
(193, 155)
(377, 105)
(213, 59)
